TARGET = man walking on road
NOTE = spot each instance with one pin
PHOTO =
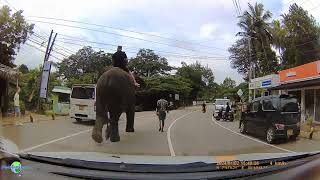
(162, 107)
(16, 102)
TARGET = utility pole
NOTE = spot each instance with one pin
(45, 73)
(250, 66)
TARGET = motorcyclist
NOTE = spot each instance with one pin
(204, 107)
(228, 109)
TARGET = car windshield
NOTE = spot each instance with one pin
(151, 79)
(221, 102)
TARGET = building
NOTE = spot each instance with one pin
(61, 100)
(304, 82)
(8, 80)
(261, 86)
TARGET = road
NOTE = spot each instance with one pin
(187, 132)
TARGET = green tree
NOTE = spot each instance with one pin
(14, 31)
(162, 86)
(201, 77)
(228, 83)
(85, 66)
(297, 37)
(147, 64)
(23, 69)
(256, 29)
(30, 83)
(239, 57)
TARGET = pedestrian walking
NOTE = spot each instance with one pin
(162, 107)
(16, 102)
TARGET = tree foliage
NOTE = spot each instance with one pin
(14, 31)
(297, 36)
(30, 82)
(256, 31)
(201, 77)
(147, 64)
(85, 66)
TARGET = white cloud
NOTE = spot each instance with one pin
(208, 30)
(210, 23)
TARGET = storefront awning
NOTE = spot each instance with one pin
(296, 85)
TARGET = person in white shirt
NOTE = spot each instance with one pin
(162, 107)
(16, 102)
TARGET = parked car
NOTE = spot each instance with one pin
(273, 117)
(83, 102)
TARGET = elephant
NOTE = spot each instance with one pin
(115, 94)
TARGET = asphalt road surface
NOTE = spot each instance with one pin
(187, 132)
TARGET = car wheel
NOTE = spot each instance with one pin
(78, 119)
(243, 129)
(270, 135)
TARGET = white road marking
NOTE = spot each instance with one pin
(214, 121)
(55, 140)
(172, 153)
(60, 139)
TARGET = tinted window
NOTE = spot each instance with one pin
(268, 105)
(82, 93)
(255, 106)
(289, 105)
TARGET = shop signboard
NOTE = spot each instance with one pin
(300, 73)
(266, 83)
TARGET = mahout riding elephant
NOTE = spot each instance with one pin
(115, 94)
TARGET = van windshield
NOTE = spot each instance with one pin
(221, 102)
(82, 93)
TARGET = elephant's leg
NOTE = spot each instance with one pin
(101, 119)
(130, 119)
(113, 129)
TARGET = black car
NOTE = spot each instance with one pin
(273, 117)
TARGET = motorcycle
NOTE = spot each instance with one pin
(225, 116)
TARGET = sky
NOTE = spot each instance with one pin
(180, 29)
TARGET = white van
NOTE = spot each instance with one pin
(220, 104)
(83, 102)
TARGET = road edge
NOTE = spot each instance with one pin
(172, 153)
(253, 139)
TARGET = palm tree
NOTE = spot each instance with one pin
(279, 34)
(255, 25)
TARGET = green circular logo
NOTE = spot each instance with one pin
(16, 167)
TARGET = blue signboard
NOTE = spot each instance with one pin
(266, 83)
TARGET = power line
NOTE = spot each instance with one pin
(106, 32)
(236, 7)
(239, 6)
(28, 44)
(289, 2)
(10, 5)
(173, 55)
(121, 29)
(114, 45)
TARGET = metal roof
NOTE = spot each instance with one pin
(61, 89)
(8, 73)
